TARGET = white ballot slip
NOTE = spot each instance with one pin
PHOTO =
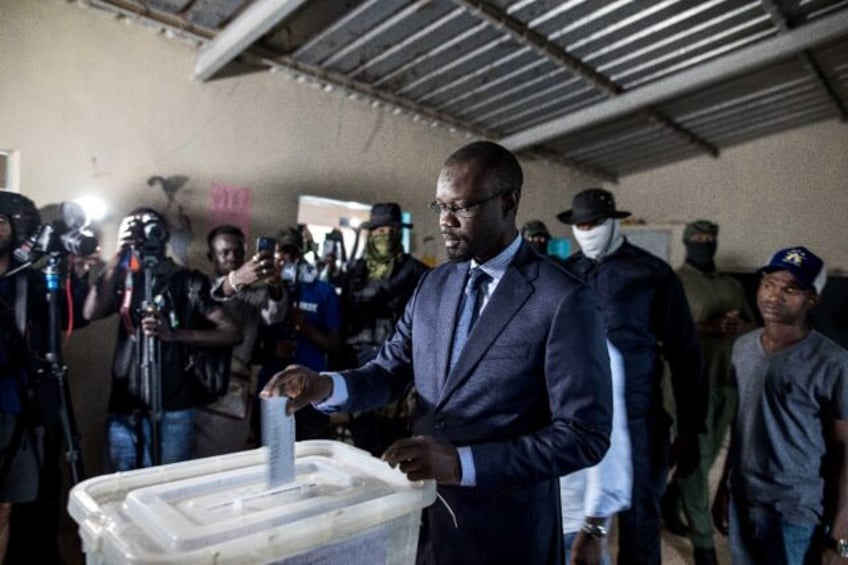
(278, 437)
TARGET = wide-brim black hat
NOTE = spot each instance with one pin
(590, 205)
(385, 214)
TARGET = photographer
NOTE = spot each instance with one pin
(311, 330)
(253, 294)
(172, 320)
(30, 428)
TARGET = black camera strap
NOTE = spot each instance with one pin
(125, 310)
(21, 290)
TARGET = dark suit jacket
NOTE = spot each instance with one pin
(530, 394)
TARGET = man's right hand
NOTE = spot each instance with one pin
(259, 267)
(587, 550)
(302, 385)
(126, 232)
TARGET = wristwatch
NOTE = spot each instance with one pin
(841, 547)
(596, 531)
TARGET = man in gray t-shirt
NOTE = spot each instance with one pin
(789, 441)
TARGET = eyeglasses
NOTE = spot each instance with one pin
(468, 211)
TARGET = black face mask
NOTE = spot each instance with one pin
(700, 255)
(541, 247)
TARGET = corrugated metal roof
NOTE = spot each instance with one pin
(609, 86)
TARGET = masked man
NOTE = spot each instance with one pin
(536, 234)
(647, 319)
(376, 289)
(721, 313)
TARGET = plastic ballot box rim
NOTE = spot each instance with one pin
(219, 509)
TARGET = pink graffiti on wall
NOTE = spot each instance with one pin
(230, 204)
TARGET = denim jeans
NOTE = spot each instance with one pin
(760, 537)
(568, 541)
(177, 436)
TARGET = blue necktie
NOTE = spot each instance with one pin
(469, 310)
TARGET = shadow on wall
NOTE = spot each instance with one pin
(182, 231)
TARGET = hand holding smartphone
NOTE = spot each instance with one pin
(265, 247)
(265, 244)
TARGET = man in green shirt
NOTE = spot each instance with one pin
(721, 313)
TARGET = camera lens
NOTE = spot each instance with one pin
(79, 243)
(154, 232)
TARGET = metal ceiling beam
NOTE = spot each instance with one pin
(257, 20)
(816, 73)
(352, 85)
(579, 166)
(262, 56)
(339, 24)
(257, 54)
(388, 23)
(738, 62)
(820, 78)
(552, 51)
(530, 37)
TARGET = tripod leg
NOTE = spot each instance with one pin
(73, 454)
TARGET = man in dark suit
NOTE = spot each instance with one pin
(525, 398)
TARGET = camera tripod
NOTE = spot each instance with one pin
(151, 360)
(59, 371)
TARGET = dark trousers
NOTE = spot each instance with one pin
(34, 529)
(639, 527)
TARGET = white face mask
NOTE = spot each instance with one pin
(307, 272)
(600, 241)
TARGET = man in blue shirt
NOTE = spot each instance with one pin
(311, 330)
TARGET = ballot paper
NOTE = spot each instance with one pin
(278, 437)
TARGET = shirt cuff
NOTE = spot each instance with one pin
(337, 398)
(217, 291)
(466, 467)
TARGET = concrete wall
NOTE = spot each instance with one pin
(782, 190)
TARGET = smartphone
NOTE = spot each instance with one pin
(265, 244)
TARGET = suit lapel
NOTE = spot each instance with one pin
(446, 321)
(509, 297)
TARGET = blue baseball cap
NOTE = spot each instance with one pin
(806, 267)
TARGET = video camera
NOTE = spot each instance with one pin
(65, 235)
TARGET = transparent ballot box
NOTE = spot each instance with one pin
(344, 506)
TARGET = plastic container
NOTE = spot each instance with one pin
(344, 506)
